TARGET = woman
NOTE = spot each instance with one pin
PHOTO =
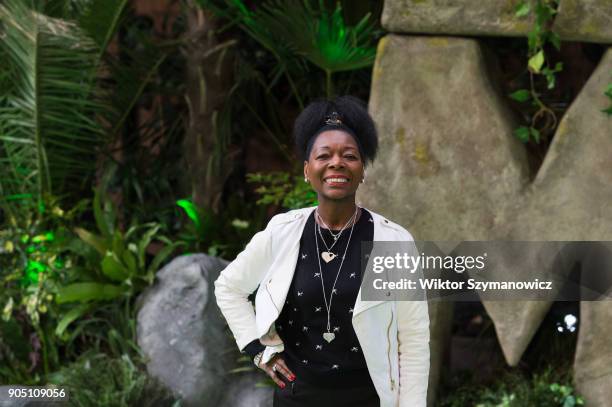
(311, 332)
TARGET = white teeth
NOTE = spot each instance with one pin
(336, 180)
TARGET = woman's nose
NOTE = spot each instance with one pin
(336, 161)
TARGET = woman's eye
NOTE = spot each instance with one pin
(322, 156)
(350, 156)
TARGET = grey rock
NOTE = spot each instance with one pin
(568, 200)
(577, 20)
(592, 370)
(463, 17)
(584, 20)
(574, 183)
(449, 163)
(182, 332)
(515, 319)
(515, 324)
(444, 175)
(248, 390)
(431, 178)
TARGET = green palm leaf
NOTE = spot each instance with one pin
(48, 131)
(296, 32)
(100, 20)
(321, 37)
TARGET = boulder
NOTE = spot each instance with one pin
(592, 370)
(448, 163)
(248, 390)
(450, 176)
(464, 17)
(182, 332)
(576, 20)
(570, 200)
(584, 20)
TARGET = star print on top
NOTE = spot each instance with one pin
(339, 363)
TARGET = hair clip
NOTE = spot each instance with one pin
(333, 118)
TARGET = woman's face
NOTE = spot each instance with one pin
(335, 167)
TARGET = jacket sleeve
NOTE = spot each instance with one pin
(237, 281)
(253, 348)
(413, 343)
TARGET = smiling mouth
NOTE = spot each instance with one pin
(336, 181)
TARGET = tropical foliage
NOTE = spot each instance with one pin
(548, 388)
(96, 108)
(65, 98)
(279, 188)
(123, 383)
(70, 284)
(57, 106)
(48, 105)
(296, 32)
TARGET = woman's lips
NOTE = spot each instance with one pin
(336, 183)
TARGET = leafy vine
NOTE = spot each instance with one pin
(538, 38)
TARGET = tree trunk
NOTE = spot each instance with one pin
(208, 80)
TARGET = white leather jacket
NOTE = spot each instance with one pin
(394, 335)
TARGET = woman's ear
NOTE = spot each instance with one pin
(306, 171)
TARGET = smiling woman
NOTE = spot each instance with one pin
(337, 140)
(312, 334)
(336, 168)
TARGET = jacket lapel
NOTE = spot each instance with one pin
(381, 234)
(278, 283)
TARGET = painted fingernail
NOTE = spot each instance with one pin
(292, 377)
(282, 385)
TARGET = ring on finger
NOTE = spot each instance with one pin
(274, 367)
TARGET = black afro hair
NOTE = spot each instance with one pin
(352, 112)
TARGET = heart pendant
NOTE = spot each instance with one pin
(328, 256)
(329, 336)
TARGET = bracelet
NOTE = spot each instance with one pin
(257, 358)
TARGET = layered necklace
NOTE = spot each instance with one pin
(328, 255)
(329, 336)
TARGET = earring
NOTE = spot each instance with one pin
(306, 180)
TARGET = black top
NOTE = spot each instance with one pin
(303, 319)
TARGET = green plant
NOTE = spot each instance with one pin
(58, 103)
(99, 380)
(116, 262)
(291, 50)
(280, 188)
(47, 104)
(97, 294)
(548, 388)
(54, 279)
(33, 257)
(224, 234)
(543, 120)
(608, 93)
(295, 32)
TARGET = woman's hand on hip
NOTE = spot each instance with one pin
(275, 367)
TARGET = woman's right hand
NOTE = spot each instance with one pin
(275, 367)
